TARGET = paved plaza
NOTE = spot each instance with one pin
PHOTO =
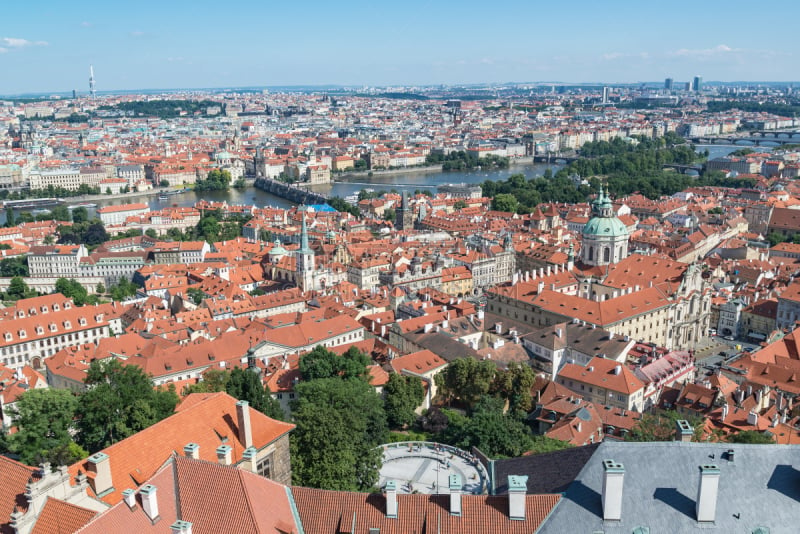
(424, 467)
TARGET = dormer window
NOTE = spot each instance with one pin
(67, 306)
(67, 324)
(32, 311)
(55, 307)
(43, 309)
(82, 321)
(53, 327)
(39, 330)
(8, 336)
(22, 334)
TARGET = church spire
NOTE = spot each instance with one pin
(304, 248)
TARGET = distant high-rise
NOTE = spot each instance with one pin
(668, 84)
(605, 95)
(92, 91)
(697, 84)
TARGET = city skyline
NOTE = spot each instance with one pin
(247, 44)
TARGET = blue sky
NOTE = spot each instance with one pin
(47, 45)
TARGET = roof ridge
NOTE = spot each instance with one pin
(246, 492)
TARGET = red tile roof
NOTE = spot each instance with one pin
(59, 517)
(14, 477)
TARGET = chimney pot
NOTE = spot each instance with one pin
(613, 478)
(455, 494)
(149, 502)
(517, 489)
(391, 499)
(684, 431)
(243, 419)
(192, 450)
(181, 527)
(224, 454)
(100, 465)
(707, 493)
(129, 496)
(249, 460)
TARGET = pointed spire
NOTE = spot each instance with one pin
(304, 248)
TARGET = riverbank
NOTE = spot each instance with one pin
(423, 169)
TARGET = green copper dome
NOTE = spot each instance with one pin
(605, 227)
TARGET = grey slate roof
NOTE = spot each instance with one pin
(760, 488)
(549, 472)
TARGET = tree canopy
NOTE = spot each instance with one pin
(119, 401)
(44, 421)
(466, 379)
(244, 384)
(340, 422)
(402, 395)
(323, 363)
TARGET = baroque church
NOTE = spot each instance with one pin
(652, 299)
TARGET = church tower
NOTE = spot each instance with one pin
(304, 259)
(605, 237)
(404, 214)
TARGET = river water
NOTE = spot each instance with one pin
(408, 181)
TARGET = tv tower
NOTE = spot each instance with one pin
(92, 91)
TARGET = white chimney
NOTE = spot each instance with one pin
(498, 328)
(181, 527)
(725, 412)
(480, 314)
(684, 431)
(192, 450)
(752, 418)
(224, 454)
(455, 494)
(707, 493)
(517, 490)
(129, 496)
(613, 478)
(391, 499)
(149, 502)
(617, 369)
(100, 465)
(243, 419)
(249, 462)
(445, 324)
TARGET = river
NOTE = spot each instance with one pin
(408, 181)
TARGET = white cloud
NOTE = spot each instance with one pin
(15, 42)
(3, 50)
(611, 56)
(86, 24)
(702, 53)
(137, 33)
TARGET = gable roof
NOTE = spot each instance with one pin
(757, 489)
(59, 517)
(549, 472)
(209, 422)
(14, 477)
(332, 512)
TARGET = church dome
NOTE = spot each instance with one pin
(605, 227)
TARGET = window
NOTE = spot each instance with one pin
(264, 467)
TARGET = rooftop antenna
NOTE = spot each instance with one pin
(92, 91)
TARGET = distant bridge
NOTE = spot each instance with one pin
(733, 140)
(291, 192)
(775, 134)
(683, 169)
(555, 159)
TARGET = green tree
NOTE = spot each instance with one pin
(195, 295)
(401, 396)
(60, 213)
(119, 401)
(216, 180)
(489, 429)
(323, 363)
(164, 183)
(10, 267)
(390, 215)
(459, 205)
(514, 385)
(214, 380)
(151, 233)
(661, 426)
(11, 220)
(100, 289)
(751, 436)
(17, 289)
(339, 425)
(466, 379)
(80, 215)
(44, 418)
(246, 385)
(505, 202)
(72, 289)
(123, 289)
